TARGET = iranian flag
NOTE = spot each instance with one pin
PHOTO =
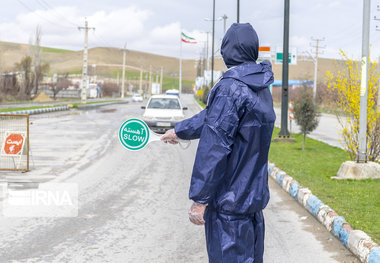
(189, 40)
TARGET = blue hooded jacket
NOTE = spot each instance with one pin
(235, 130)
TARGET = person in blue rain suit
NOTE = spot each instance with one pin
(229, 184)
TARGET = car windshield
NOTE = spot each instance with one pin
(137, 95)
(163, 103)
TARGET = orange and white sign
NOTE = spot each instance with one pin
(264, 54)
(291, 110)
(264, 49)
(13, 143)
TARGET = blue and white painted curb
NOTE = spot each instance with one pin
(39, 111)
(358, 242)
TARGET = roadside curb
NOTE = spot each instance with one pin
(38, 111)
(95, 105)
(357, 241)
(196, 102)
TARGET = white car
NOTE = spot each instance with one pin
(163, 112)
(137, 98)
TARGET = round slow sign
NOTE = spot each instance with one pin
(134, 134)
(13, 143)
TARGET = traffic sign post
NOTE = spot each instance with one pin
(14, 142)
(292, 57)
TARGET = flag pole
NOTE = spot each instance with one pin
(180, 63)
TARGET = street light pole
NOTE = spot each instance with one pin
(285, 75)
(212, 48)
(362, 150)
(238, 12)
(207, 60)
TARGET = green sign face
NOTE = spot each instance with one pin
(280, 56)
(134, 134)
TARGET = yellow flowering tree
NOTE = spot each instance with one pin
(344, 89)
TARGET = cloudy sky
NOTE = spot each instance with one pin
(154, 26)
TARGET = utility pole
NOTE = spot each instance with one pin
(180, 66)
(156, 77)
(161, 76)
(238, 12)
(285, 75)
(207, 60)
(224, 17)
(118, 82)
(150, 81)
(378, 90)
(362, 150)
(213, 40)
(123, 74)
(212, 48)
(315, 60)
(85, 61)
(140, 84)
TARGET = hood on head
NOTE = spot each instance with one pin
(240, 44)
(255, 76)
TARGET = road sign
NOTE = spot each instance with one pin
(13, 144)
(134, 134)
(264, 54)
(292, 57)
(264, 49)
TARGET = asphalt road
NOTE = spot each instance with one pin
(133, 205)
(328, 129)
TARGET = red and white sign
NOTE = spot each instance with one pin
(13, 144)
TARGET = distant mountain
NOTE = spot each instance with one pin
(109, 60)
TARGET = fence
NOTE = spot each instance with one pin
(14, 142)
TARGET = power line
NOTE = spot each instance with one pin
(42, 17)
(101, 39)
(51, 9)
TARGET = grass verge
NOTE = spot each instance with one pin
(28, 108)
(75, 105)
(203, 105)
(358, 201)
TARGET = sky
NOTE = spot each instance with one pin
(154, 26)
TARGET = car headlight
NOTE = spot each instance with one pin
(148, 117)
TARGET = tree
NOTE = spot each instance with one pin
(305, 114)
(110, 89)
(62, 83)
(8, 85)
(38, 75)
(25, 66)
(344, 89)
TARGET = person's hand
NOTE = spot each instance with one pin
(196, 213)
(170, 137)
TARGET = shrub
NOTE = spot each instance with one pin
(305, 114)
